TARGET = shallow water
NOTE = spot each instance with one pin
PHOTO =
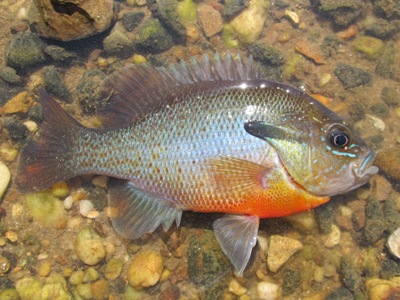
(343, 243)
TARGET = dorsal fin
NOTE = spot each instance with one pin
(137, 89)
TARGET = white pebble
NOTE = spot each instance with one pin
(332, 238)
(93, 214)
(267, 291)
(31, 126)
(378, 123)
(85, 206)
(325, 78)
(68, 202)
(42, 256)
(294, 17)
(393, 243)
(4, 178)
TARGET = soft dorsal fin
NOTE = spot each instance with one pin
(137, 89)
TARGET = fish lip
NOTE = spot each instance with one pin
(366, 170)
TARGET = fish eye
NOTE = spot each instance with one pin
(339, 138)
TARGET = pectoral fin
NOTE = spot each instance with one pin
(237, 235)
(135, 213)
(267, 131)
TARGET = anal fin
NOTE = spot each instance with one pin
(136, 212)
(237, 235)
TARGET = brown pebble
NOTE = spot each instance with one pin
(12, 236)
(18, 26)
(388, 161)
(307, 50)
(100, 289)
(348, 33)
(170, 293)
(381, 187)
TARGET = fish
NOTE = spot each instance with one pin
(209, 135)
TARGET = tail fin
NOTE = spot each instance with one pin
(45, 161)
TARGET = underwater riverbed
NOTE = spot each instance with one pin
(60, 243)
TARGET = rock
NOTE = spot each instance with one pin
(280, 250)
(29, 288)
(332, 239)
(31, 126)
(340, 294)
(113, 268)
(59, 54)
(268, 291)
(153, 37)
(343, 12)
(45, 208)
(351, 77)
(60, 189)
(351, 277)
(393, 243)
(35, 113)
(55, 86)
(21, 103)
(170, 293)
(381, 187)
(9, 294)
(10, 76)
(388, 161)
(371, 47)
(209, 19)
(291, 281)
(67, 21)
(382, 29)
(383, 289)
(88, 89)
(44, 268)
(388, 65)
(381, 110)
(236, 288)
(266, 54)
(76, 277)
(249, 24)
(118, 43)
(324, 217)
(88, 246)
(100, 289)
(15, 128)
(131, 20)
(233, 7)
(391, 214)
(388, 8)
(85, 206)
(25, 50)
(390, 96)
(375, 224)
(175, 15)
(5, 265)
(206, 261)
(145, 269)
(5, 177)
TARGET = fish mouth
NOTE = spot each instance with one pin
(365, 170)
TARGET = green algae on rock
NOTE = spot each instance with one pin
(370, 46)
(88, 246)
(55, 85)
(45, 208)
(25, 50)
(153, 37)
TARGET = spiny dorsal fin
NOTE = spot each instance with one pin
(136, 90)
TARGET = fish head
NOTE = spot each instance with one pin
(320, 152)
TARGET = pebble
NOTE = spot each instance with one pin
(309, 51)
(209, 19)
(381, 187)
(93, 214)
(20, 103)
(68, 202)
(388, 161)
(100, 181)
(280, 250)
(333, 238)
(5, 177)
(88, 246)
(267, 291)
(377, 122)
(31, 126)
(90, 275)
(5, 265)
(100, 289)
(76, 277)
(324, 80)
(8, 154)
(44, 268)
(292, 16)
(113, 268)
(60, 189)
(85, 206)
(393, 243)
(12, 236)
(236, 288)
(383, 289)
(145, 269)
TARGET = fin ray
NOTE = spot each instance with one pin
(237, 236)
(138, 212)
